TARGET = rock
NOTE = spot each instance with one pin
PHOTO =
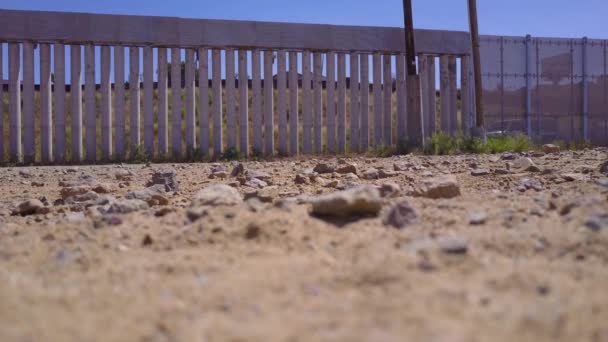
(37, 184)
(74, 191)
(218, 174)
(347, 168)
(453, 245)
(217, 195)
(238, 170)
(29, 207)
(256, 183)
(389, 190)
(153, 195)
(263, 176)
(268, 194)
(301, 179)
(102, 188)
(438, 187)
(538, 154)
(526, 164)
(127, 206)
(531, 183)
(167, 179)
(604, 168)
(387, 174)
(551, 149)
(123, 175)
(88, 197)
(195, 213)
(370, 174)
(400, 216)
(507, 156)
(597, 222)
(25, 173)
(322, 168)
(359, 201)
(480, 172)
(478, 218)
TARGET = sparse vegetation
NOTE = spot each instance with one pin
(441, 143)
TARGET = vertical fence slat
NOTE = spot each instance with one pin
(388, 93)
(176, 103)
(401, 100)
(331, 103)
(119, 102)
(306, 104)
(90, 103)
(377, 66)
(354, 103)
(341, 102)
(293, 103)
(134, 107)
(243, 104)
(256, 101)
(76, 95)
(29, 128)
(429, 94)
(14, 101)
(1, 104)
(59, 94)
(453, 94)
(163, 104)
(445, 93)
(203, 99)
(230, 99)
(268, 103)
(105, 105)
(149, 100)
(318, 100)
(465, 95)
(364, 143)
(217, 102)
(282, 100)
(190, 106)
(46, 125)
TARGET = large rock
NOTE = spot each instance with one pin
(438, 187)
(400, 216)
(217, 195)
(153, 195)
(359, 201)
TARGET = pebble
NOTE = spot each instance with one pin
(153, 195)
(525, 164)
(347, 168)
(238, 170)
(123, 175)
(438, 187)
(322, 168)
(551, 149)
(479, 172)
(531, 183)
(29, 207)
(360, 201)
(167, 179)
(478, 217)
(217, 195)
(453, 245)
(597, 222)
(604, 168)
(301, 179)
(400, 215)
(127, 206)
(389, 190)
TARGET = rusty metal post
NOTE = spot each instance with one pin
(414, 116)
(477, 68)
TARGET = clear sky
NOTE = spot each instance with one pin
(548, 18)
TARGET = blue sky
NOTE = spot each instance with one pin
(556, 18)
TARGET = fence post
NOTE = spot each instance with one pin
(585, 91)
(529, 85)
(46, 124)
(465, 98)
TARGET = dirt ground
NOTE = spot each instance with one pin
(530, 261)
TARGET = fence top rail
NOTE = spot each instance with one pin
(130, 30)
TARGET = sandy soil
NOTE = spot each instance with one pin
(532, 265)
